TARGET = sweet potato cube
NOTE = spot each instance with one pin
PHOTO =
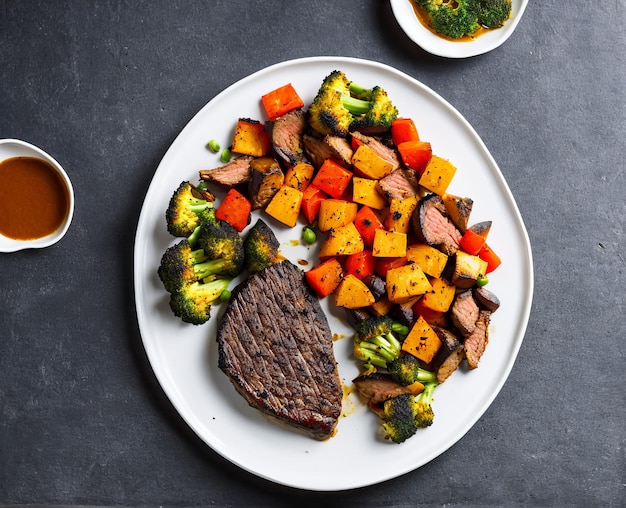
(335, 213)
(422, 341)
(467, 269)
(437, 175)
(364, 192)
(285, 205)
(405, 282)
(400, 212)
(341, 241)
(369, 164)
(299, 176)
(441, 296)
(431, 260)
(389, 244)
(352, 293)
(251, 138)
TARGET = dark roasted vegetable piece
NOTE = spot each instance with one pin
(405, 414)
(449, 356)
(266, 179)
(222, 245)
(260, 247)
(486, 299)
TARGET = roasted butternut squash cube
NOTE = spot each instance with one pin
(431, 260)
(422, 341)
(459, 210)
(437, 175)
(299, 175)
(352, 293)
(400, 212)
(441, 296)
(364, 192)
(341, 241)
(251, 138)
(405, 282)
(382, 307)
(285, 205)
(369, 164)
(467, 269)
(335, 213)
(389, 244)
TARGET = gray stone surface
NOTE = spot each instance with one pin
(105, 86)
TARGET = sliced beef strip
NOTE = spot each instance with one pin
(431, 224)
(276, 348)
(286, 134)
(234, 173)
(464, 312)
(476, 342)
(399, 184)
(328, 147)
(384, 151)
(379, 387)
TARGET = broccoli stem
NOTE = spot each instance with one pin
(426, 397)
(193, 237)
(360, 92)
(210, 267)
(354, 105)
(198, 256)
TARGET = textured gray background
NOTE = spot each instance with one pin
(105, 86)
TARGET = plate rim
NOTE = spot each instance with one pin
(529, 279)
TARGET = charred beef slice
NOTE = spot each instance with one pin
(432, 225)
(276, 348)
(286, 133)
(236, 172)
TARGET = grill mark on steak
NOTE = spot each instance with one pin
(276, 348)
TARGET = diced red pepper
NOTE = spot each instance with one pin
(415, 154)
(487, 254)
(235, 209)
(471, 242)
(281, 101)
(367, 222)
(383, 265)
(312, 198)
(360, 264)
(332, 178)
(325, 277)
(403, 129)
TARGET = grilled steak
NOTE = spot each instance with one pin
(476, 342)
(230, 175)
(276, 348)
(287, 133)
(432, 225)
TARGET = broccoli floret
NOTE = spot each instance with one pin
(424, 414)
(181, 215)
(399, 417)
(193, 302)
(375, 342)
(451, 18)
(341, 106)
(260, 247)
(405, 414)
(178, 265)
(221, 243)
(493, 13)
(406, 370)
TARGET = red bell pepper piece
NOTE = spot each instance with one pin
(281, 101)
(415, 154)
(325, 277)
(235, 209)
(361, 264)
(367, 222)
(403, 129)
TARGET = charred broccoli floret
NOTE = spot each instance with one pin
(260, 247)
(178, 265)
(406, 370)
(181, 215)
(375, 342)
(493, 13)
(221, 243)
(341, 106)
(193, 302)
(405, 414)
(451, 18)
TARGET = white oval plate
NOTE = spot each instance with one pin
(184, 357)
(428, 41)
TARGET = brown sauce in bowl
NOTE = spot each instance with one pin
(34, 200)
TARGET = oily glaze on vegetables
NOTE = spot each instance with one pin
(393, 244)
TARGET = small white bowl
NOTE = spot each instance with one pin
(16, 148)
(428, 41)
